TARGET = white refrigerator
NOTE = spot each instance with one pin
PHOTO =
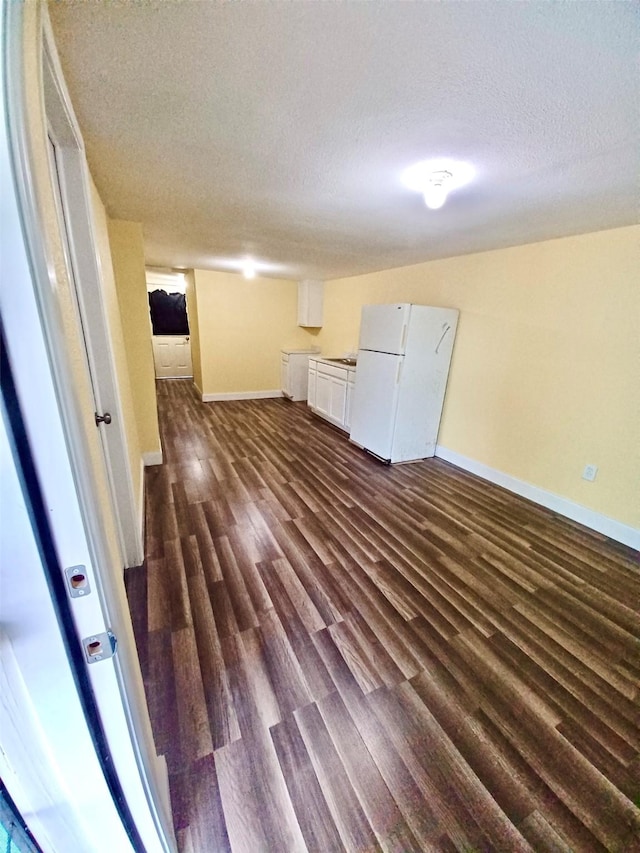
(401, 378)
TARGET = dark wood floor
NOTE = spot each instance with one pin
(339, 655)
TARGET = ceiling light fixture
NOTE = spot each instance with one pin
(249, 269)
(435, 179)
(436, 191)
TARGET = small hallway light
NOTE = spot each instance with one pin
(435, 179)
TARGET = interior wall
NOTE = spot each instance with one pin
(127, 253)
(242, 326)
(544, 377)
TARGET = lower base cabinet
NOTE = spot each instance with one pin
(351, 384)
(293, 373)
(311, 383)
(330, 391)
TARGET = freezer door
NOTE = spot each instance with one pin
(383, 328)
(375, 401)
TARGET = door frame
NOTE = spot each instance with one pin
(63, 461)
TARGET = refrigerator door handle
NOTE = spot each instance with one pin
(447, 329)
(398, 372)
(404, 337)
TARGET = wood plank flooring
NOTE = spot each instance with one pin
(340, 655)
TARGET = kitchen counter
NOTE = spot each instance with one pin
(341, 361)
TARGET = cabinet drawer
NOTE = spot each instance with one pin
(330, 370)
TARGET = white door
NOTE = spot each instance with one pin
(77, 754)
(375, 401)
(383, 328)
(68, 181)
(172, 356)
(46, 741)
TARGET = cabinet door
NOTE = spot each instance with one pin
(284, 376)
(347, 416)
(303, 303)
(311, 386)
(310, 303)
(338, 400)
(323, 394)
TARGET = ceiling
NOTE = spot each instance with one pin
(279, 131)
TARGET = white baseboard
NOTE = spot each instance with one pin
(152, 457)
(240, 395)
(576, 512)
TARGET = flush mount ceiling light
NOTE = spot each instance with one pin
(240, 263)
(435, 179)
(249, 269)
(436, 191)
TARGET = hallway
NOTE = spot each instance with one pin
(340, 655)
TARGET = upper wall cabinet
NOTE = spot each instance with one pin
(310, 302)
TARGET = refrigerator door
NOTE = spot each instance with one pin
(375, 401)
(383, 328)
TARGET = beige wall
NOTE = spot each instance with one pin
(242, 326)
(194, 328)
(127, 253)
(544, 376)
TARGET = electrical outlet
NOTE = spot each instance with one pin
(590, 472)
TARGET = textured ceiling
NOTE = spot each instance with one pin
(280, 130)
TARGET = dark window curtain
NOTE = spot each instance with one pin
(168, 313)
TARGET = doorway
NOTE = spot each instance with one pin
(169, 324)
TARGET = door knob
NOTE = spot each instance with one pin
(103, 419)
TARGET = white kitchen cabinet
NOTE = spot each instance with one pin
(332, 387)
(312, 375)
(310, 303)
(338, 400)
(294, 365)
(351, 384)
(323, 394)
